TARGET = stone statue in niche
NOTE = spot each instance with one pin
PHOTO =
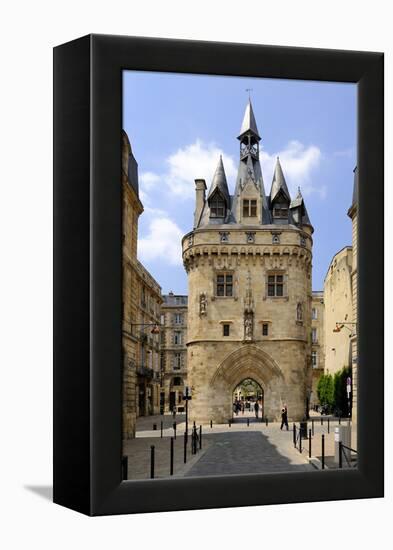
(248, 327)
(202, 303)
(299, 312)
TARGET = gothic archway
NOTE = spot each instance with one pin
(247, 401)
(248, 362)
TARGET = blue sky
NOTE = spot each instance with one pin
(178, 126)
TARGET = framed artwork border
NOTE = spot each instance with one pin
(88, 273)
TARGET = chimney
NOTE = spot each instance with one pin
(200, 188)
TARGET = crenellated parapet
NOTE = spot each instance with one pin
(220, 255)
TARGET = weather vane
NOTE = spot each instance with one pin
(249, 90)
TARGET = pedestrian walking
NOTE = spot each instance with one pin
(256, 409)
(284, 418)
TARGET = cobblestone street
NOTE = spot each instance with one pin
(235, 449)
(249, 452)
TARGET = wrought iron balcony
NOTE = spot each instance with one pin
(147, 372)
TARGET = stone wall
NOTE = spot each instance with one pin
(338, 309)
(318, 345)
(353, 214)
(279, 361)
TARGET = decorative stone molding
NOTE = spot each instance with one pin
(226, 255)
(248, 361)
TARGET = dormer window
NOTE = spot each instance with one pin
(280, 212)
(249, 208)
(217, 207)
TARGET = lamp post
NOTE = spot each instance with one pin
(187, 397)
(344, 324)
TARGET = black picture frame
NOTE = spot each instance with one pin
(88, 275)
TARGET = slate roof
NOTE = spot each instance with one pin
(279, 183)
(250, 173)
(249, 123)
(219, 183)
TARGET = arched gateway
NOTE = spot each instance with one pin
(213, 400)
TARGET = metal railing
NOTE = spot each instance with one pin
(346, 453)
(145, 371)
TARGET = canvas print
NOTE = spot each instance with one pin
(239, 276)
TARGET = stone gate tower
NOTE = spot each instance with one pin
(248, 261)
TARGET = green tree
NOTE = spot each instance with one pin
(325, 390)
(340, 390)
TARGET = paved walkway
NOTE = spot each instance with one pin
(235, 449)
(251, 452)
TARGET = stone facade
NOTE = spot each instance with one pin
(338, 311)
(317, 342)
(353, 214)
(248, 261)
(173, 351)
(141, 307)
(148, 351)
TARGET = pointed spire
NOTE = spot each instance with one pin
(220, 182)
(249, 123)
(279, 183)
(298, 200)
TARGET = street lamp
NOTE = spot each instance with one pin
(186, 398)
(344, 324)
(154, 330)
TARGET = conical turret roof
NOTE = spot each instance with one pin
(279, 183)
(219, 182)
(249, 123)
(298, 201)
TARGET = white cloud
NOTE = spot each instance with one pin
(298, 162)
(149, 180)
(197, 160)
(163, 242)
(151, 211)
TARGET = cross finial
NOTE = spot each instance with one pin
(249, 90)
